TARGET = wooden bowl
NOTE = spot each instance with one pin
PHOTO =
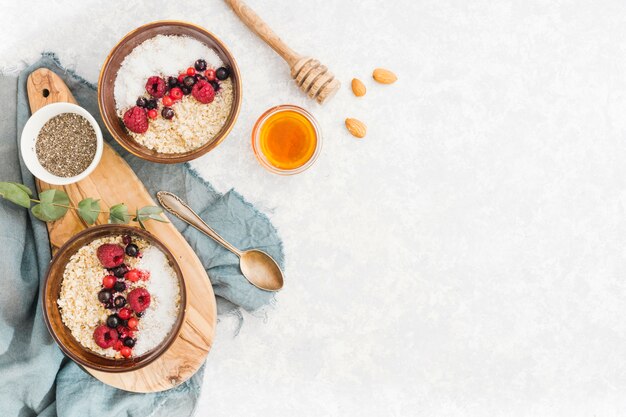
(108, 73)
(52, 288)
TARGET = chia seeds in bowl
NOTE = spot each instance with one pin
(119, 297)
(66, 145)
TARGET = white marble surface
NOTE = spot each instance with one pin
(467, 257)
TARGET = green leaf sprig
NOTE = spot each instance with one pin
(54, 204)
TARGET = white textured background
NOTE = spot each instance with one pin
(467, 257)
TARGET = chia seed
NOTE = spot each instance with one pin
(66, 145)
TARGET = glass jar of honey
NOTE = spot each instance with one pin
(286, 139)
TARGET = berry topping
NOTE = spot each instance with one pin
(215, 85)
(126, 239)
(104, 296)
(152, 104)
(222, 73)
(133, 275)
(122, 331)
(167, 113)
(210, 74)
(113, 321)
(139, 314)
(118, 345)
(189, 81)
(126, 352)
(186, 90)
(109, 305)
(132, 323)
(167, 101)
(152, 114)
(176, 93)
(139, 299)
(199, 77)
(120, 302)
(108, 281)
(129, 341)
(155, 87)
(203, 92)
(136, 120)
(181, 77)
(110, 255)
(200, 65)
(120, 286)
(124, 313)
(105, 337)
(119, 271)
(191, 71)
(141, 102)
(132, 250)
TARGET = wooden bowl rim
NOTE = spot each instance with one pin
(115, 363)
(207, 147)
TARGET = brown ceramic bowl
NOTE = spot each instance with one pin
(52, 288)
(106, 82)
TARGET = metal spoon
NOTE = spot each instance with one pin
(257, 266)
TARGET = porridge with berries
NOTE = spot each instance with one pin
(119, 296)
(173, 93)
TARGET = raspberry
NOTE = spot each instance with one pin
(155, 86)
(110, 255)
(136, 120)
(139, 299)
(203, 92)
(105, 337)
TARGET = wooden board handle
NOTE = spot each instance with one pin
(45, 87)
(258, 26)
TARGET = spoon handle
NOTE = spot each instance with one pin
(180, 209)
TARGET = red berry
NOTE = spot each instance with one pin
(132, 275)
(144, 275)
(122, 331)
(124, 314)
(139, 299)
(110, 255)
(118, 345)
(181, 77)
(126, 351)
(136, 120)
(167, 101)
(176, 93)
(152, 114)
(108, 281)
(203, 92)
(210, 74)
(105, 337)
(191, 71)
(155, 86)
(133, 323)
(130, 333)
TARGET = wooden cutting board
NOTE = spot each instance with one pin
(112, 182)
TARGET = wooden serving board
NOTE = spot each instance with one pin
(112, 182)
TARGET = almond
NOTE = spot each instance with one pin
(358, 88)
(356, 128)
(384, 76)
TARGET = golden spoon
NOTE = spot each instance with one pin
(257, 266)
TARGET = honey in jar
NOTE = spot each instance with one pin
(286, 138)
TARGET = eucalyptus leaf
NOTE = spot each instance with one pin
(54, 204)
(88, 210)
(37, 212)
(150, 213)
(119, 214)
(23, 187)
(15, 193)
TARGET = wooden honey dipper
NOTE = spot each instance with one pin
(313, 78)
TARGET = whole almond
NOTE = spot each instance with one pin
(356, 128)
(358, 88)
(384, 76)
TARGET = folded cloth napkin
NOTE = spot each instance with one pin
(37, 380)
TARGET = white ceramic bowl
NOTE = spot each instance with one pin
(29, 137)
